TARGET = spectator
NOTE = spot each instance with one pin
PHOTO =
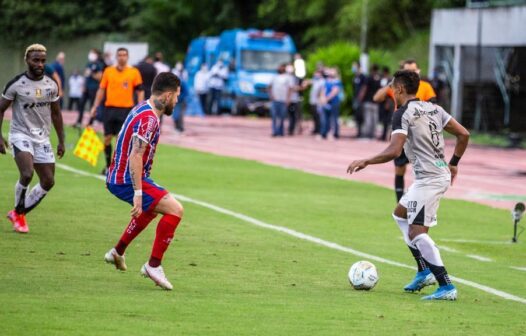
(216, 83)
(180, 71)
(180, 108)
(370, 108)
(58, 66)
(148, 73)
(387, 107)
(317, 85)
(76, 88)
(159, 63)
(357, 106)
(330, 99)
(92, 76)
(294, 107)
(201, 85)
(280, 89)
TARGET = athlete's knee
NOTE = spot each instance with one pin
(170, 206)
(416, 230)
(26, 175)
(400, 211)
(47, 183)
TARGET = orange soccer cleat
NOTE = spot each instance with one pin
(18, 221)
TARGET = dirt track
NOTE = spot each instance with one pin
(491, 176)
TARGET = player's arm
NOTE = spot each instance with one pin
(390, 153)
(462, 135)
(56, 119)
(98, 99)
(136, 166)
(381, 94)
(4, 105)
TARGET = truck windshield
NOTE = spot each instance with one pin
(253, 60)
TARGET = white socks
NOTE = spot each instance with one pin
(404, 227)
(35, 195)
(20, 193)
(428, 249)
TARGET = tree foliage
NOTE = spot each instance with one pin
(169, 25)
(23, 19)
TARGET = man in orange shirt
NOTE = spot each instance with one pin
(118, 83)
(425, 93)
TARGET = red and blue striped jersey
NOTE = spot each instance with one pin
(141, 122)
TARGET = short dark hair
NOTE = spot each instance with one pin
(408, 79)
(122, 49)
(375, 67)
(409, 61)
(165, 81)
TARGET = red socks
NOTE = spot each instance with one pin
(133, 229)
(163, 237)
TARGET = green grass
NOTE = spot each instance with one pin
(232, 278)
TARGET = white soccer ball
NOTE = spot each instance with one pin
(363, 275)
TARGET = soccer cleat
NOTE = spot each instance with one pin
(447, 292)
(157, 275)
(18, 221)
(422, 279)
(112, 257)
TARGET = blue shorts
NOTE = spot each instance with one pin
(151, 193)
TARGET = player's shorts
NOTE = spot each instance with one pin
(113, 118)
(41, 152)
(151, 193)
(422, 200)
(402, 160)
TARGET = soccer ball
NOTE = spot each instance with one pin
(363, 275)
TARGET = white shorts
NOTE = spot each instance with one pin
(42, 152)
(422, 200)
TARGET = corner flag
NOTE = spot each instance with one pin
(89, 146)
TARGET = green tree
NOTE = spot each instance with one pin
(57, 19)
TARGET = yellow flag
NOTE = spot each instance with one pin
(89, 146)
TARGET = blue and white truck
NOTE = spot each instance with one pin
(253, 57)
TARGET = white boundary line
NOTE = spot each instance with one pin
(518, 268)
(479, 258)
(312, 239)
(499, 242)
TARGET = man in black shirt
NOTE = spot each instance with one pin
(370, 108)
(148, 73)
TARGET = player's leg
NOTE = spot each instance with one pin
(400, 169)
(109, 123)
(423, 277)
(125, 193)
(23, 154)
(172, 212)
(422, 212)
(46, 176)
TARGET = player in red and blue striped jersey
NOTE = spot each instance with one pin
(128, 178)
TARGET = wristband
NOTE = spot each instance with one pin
(454, 160)
(137, 192)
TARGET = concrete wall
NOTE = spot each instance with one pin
(503, 26)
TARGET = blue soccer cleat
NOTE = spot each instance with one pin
(447, 292)
(422, 279)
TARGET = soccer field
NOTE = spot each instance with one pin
(236, 275)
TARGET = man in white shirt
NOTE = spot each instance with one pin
(201, 85)
(76, 88)
(280, 90)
